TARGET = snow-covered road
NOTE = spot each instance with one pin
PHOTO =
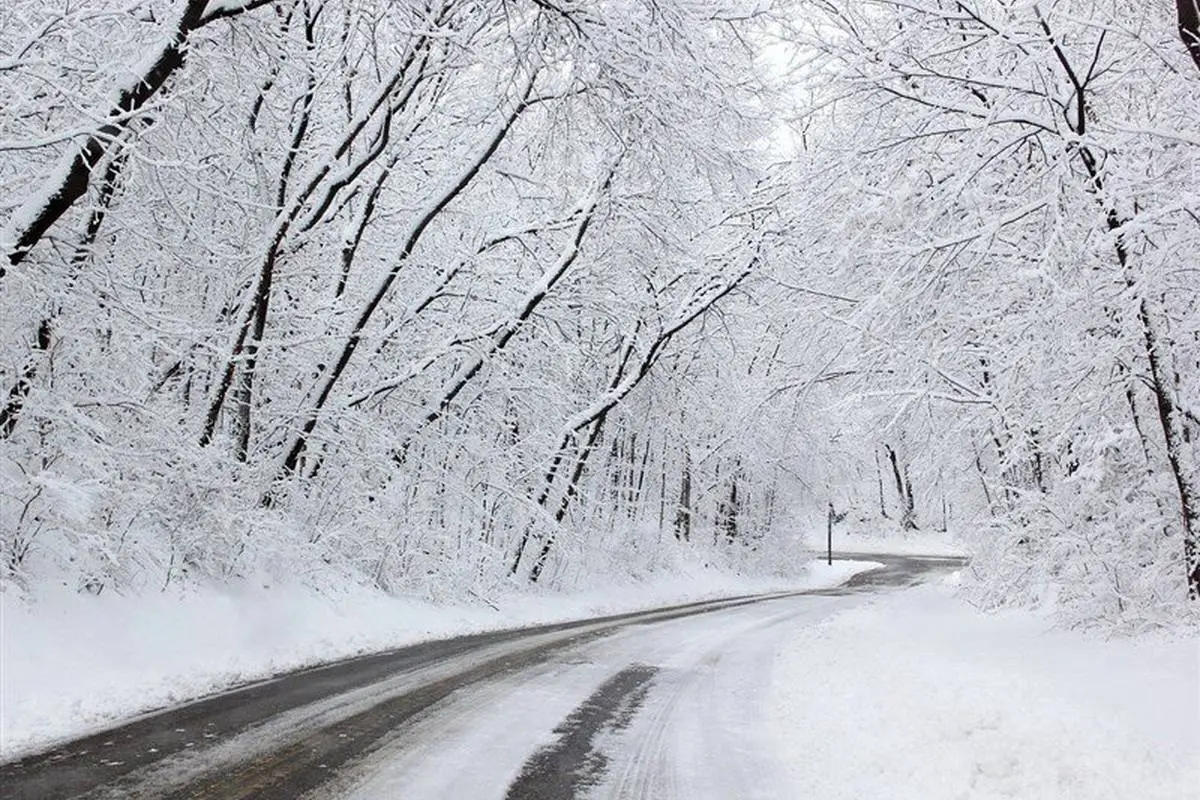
(301, 731)
(855, 692)
(897, 695)
(665, 710)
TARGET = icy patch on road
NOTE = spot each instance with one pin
(916, 695)
(74, 663)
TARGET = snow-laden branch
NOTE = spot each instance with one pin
(224, 9)
(533, 298)
(420, 224)
(69, 180)
(319, 190)
(691, 310)
(580, 215)
(987, 231)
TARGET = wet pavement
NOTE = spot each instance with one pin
(283, 737)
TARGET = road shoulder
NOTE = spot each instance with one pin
(916, 694)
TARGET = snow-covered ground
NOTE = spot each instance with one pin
(916, 695)
(907, 694)
(74, 663)
(901, 694)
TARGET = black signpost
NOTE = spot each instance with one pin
(829, 534)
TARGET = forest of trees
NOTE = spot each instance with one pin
(446, 295)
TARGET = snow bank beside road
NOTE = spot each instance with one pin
(915, 695)
(72, 664)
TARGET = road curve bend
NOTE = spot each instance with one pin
(315, 732)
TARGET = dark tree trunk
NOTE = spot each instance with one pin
(64, 188)
(879, 477)
(1155, 343)
(1173, 424)
(564, 503)
(244, 392)
(908, 515)
(729, 512)
(20, 390)
(683, 511)
(1189, 27)
(17, 395)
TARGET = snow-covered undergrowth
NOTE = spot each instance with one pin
(75, 662)
(1105, 574)
(1089, 574)
(917, 695)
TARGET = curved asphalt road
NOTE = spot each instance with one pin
(286, 736)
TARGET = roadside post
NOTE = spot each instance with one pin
(829, 535)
